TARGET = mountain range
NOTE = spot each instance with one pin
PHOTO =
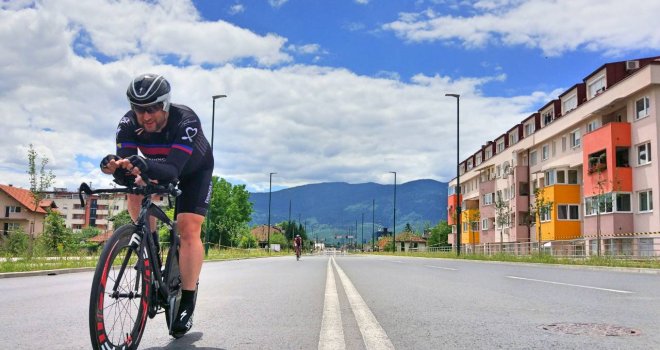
(338, 208)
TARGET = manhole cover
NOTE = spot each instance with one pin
(589, 329)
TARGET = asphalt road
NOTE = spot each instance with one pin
(366, 302)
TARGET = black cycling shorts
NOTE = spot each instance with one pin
(196, 191)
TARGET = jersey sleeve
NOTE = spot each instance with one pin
(183, 145)
(125, 137)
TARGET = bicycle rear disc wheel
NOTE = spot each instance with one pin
(117, 317)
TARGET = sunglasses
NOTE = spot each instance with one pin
(156, 107)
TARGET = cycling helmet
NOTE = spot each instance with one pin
(147, 89)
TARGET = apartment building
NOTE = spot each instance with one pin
(97, 211)
(580, 167)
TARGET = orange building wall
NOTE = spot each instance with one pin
(608, 137)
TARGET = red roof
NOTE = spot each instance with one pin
(22, 196)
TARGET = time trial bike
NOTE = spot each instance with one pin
(129, 284)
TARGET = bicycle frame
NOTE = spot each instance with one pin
(143, 242)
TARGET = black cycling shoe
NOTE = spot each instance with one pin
(182, 323)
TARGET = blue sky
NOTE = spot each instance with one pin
(319, 91)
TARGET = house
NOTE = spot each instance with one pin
(20, 212)
(261, 234)
(408, 241)
(405, 242)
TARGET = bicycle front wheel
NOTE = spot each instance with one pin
(119, 298)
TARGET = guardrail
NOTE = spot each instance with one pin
(617, 248)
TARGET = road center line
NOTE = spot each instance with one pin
(332, 331)
(373, 334)
(572, 285)
(440, 267)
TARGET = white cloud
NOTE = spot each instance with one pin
(308, 123)
(362, 2)
(277, 3)
(554, 26)
(166, 27)
(236, 9)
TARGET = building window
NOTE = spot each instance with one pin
(500, 146)
(489, 153)
(547, 118)
(484, 224)
(545, 152)
(591, 204)
(597, 86)
(488, 198)
(642, 108)
(570, 103)
(597, 162)
(645, 201)
(12, 226)
(478, 157)
(568, 212)
(593, 125)
(469, 164)
(550, 178)
(623, 202)
(532, 158)
(575, 139)
(529, 129)
(544, 214)
(561, 176)
(13, 209)
(513, 138)
(644, 153)
(572, 177)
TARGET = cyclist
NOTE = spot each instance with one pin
(297, 244)
(170, 138)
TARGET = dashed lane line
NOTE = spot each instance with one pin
(572, 285)
(442, 268)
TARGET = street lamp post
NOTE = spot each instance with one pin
(208, 217)
(373, 223)
(458, 176)
(362, 237)
(270, 187)
(394, 228)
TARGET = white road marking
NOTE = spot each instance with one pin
(440, 267)
(373, 334)
(572, 285)
(332, 332)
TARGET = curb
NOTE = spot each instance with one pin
(44, 272)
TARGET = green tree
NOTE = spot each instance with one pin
(39, 181)
(408, 228)
(17, 243)
(439, 235)
(539, 209)
(229, 213)
(502, 216)
(248, 241)
(278, 238)
(120, 219)
(56, 238)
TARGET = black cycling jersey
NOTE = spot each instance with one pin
(179, 151)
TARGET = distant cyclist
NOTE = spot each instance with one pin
(170, 138)
(297, 244)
